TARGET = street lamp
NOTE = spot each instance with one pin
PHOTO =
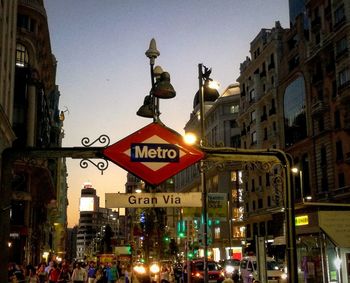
(204, 88)
(161, 86)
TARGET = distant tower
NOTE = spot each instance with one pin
(88, 221)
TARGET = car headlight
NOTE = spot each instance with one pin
(229, 269)
(139, 269)
(154, 268)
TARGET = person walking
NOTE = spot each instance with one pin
(42, 274)
(32, 275)
(79, 274)
(91, 272)
(112, 273)
(64, 276)
(54, 273)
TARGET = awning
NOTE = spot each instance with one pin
(336, 224)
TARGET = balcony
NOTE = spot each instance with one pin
(340, 193)
(318, 108)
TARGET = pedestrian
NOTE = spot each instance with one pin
(128, 274)
(91, 272)
(79, 274)
(112, 273)
(42, 274)
(99, 275)
(32, 275)
(49, 266)
(64, 276)
(54, 273)
(164, 274)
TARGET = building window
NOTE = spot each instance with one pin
(341, 47)
(252, 95)
(255, 229)
(341, 180)
(339, 15)
(267, 179)
(253, 117)
(268, 201)
(260, 203)
(248, 231)
(337, 119)
(234, 109)
(235, 141)
(294, 112)
(25, 22)
(265, 134)
(323, 157)
(321, 124)
(253, 185)
(21, 56)
(254, 138)
(262, 229)
(339, 151)
(344, 77)
(233, 124)
(253, 205)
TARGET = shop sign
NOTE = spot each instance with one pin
(302, 220)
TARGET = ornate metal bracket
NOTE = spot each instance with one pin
(103, 139)
(101, 165)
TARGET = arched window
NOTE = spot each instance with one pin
(295, 112)
(21, 56)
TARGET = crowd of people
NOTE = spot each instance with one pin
(63, 272)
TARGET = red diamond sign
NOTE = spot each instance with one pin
(153, 153)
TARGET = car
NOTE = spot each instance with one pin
(249, 270)
(216, 273)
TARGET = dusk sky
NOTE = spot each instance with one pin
(103, 74)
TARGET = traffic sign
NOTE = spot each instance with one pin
(153, 153)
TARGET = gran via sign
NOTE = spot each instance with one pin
(117, 200)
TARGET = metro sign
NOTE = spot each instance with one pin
(153, 153)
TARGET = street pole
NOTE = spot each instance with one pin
(202, 173)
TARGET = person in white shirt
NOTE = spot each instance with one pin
(79, 274)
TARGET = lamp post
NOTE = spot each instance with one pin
(203, 80)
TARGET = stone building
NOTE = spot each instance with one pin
(33, 216)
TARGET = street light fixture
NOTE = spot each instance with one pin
(161, 86)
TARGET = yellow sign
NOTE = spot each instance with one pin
(302, 220)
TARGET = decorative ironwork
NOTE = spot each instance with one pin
(101, 165)
(103, 139)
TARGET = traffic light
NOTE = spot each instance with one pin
(181, 229)
(181, 234)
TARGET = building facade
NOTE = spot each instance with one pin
(221, 130)
(310, 89)
(100, 229)
(34, 207)
(259, 117)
